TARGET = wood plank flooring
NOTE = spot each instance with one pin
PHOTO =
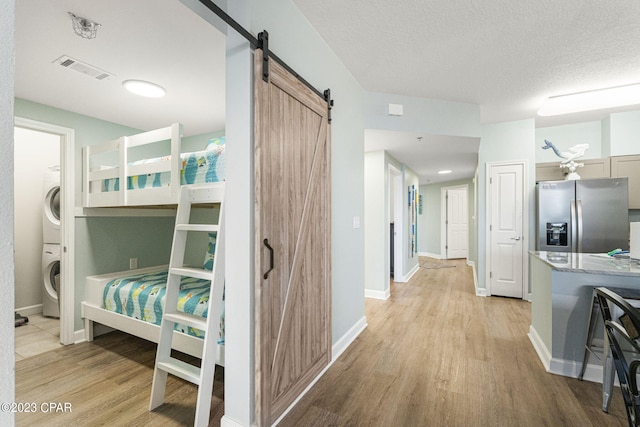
(107, 382)
(434, 354)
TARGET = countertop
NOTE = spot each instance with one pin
(589, 263)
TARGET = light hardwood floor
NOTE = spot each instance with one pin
(434, 354)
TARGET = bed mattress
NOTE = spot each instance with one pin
(197, 168)
(141, 296)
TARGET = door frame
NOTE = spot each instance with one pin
(395, 180)
(444, 252)
(67, 221)
(525, 223)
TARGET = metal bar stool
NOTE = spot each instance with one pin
(632, 296)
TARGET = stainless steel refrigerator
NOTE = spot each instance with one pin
(587, 215)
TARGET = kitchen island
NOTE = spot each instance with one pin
(561, 294)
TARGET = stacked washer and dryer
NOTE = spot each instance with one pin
(51, 238)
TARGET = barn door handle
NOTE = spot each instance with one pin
(266, 243)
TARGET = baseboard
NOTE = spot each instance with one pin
(480, 292)
(408, 276)
(543, 352)
(31, 309)
(227, 421)
(337, 349)
(345, 341)
(79, 336)
(430, 255)
(383, 295)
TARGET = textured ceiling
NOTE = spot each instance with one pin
(505, 55)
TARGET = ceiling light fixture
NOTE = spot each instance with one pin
(84, 27)
(142, 88)
(592, 100)
(442, 172)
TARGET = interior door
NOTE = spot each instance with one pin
(457, 223)
(292, 223)
(506, 257)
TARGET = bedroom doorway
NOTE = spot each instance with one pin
(455, 222)
(66, 267)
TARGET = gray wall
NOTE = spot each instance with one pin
(7, 372)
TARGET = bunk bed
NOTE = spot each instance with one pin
(132, 300)
(151, 164)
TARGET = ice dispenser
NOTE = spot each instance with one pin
(557, 233)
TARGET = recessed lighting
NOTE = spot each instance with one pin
(442, 172)
(142, 88)
(592, 100)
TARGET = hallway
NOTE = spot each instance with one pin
(435, 354)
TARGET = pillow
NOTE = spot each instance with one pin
(215, 143)
(211, 250)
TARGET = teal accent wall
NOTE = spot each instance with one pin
(103, 244)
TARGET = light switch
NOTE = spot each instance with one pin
(356, 222)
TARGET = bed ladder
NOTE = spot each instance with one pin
(165, 364)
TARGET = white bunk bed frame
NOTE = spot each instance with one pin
(93, 195)
(92, 311)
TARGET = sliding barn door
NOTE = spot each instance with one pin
(292, 221)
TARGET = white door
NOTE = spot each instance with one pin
(457, 223)
(506, 256)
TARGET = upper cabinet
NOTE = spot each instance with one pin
(593, 168)
(628, 166)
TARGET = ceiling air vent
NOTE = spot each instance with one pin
(82, 67)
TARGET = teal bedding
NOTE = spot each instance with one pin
(197, 168)
(141, 296)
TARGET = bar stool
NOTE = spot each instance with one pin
(632, 296)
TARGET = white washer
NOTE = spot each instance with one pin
(51, 206)
(51, 280)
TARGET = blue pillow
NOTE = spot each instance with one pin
(211, 250)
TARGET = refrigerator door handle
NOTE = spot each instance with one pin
(574, 227)
(579, 216)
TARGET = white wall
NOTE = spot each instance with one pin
(504, 142)
(567, 136)
(7, 285)
(625, 133)
(34, 152)
(422, 115)
(376, 280)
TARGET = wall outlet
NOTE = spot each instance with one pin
(133, 263)
(356, 222)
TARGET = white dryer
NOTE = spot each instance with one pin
(51, 280)
(51, 206)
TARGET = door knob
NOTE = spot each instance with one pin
(515, 238)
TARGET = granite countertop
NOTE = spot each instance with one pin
(589, 263)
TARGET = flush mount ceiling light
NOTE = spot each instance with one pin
(592, 100)
(84, 27)
(142, 88)
(443, 172)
